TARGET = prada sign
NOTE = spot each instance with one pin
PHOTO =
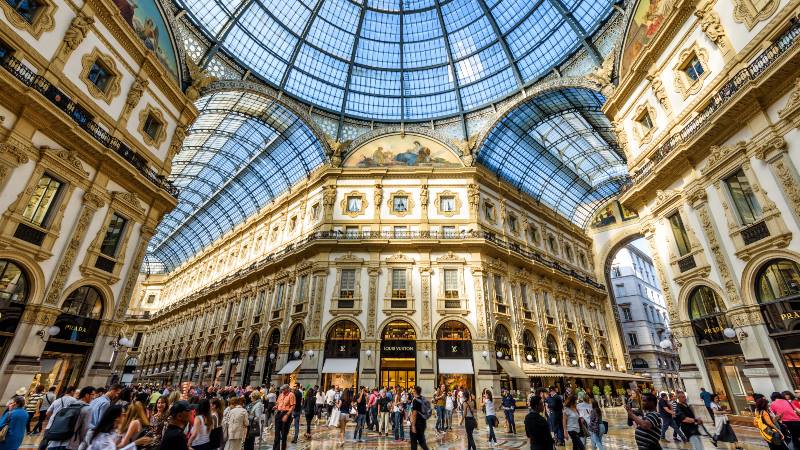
(782, 316)
(77, 328)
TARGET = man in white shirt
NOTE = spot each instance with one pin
(330, 400)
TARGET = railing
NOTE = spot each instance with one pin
(84, 119)
(686, 263)
(371, 235)
(755, 232)
(750, 73)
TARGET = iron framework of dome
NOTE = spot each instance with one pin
(401, 60)
(559, 148)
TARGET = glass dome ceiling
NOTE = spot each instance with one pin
(398, 60)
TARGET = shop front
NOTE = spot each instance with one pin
(723, 357)
(13, 297)
(341, 356)
(777, 288)
(294, 358)
(398, 355)
(66, 353)
(454, 356)
(218, 370)
(250, 362)
(511, 375)
(272, 354)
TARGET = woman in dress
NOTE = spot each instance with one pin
(158, 420)
(491, 417)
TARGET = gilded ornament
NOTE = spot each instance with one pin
(200, 80)
(134, 95)
(711, 25)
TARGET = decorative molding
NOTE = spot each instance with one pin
(44, 19)
(390, 203)
(450, 258)
(622, 138)
(348, 258)
(161, 136)
(456, 201)
(718, 155)
(642, 135)
(399, 258)
(665, 197)
(749, 13)
(788, 181)
(793, 105)
(18, 154)
(178, 137)
(683, 84)
(710, 24)
(425, 289)
(134, 95)
(717, 253)
(660, 92)
(133, 272)
(363, 204)
(75, 34)
(113, 88)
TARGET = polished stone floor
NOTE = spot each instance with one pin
(620, 437)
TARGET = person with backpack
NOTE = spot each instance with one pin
(69, 396)
(44, 403)
(420, 412)
(15, 420)
(69, 420)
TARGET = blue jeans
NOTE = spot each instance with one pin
(397, 419)
(512, 427)
(597, 441)
(373, 418)
(439, 418)
(490, 423)
(556, 427)
(296, 418)
(359, 432)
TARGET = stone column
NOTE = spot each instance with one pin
(480, 301)
(374, 271)
(320, 278)
(26, 348)
(425, 303)
(423, 201)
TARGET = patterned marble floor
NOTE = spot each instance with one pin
(620, 437)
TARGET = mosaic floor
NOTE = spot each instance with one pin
(620, 437)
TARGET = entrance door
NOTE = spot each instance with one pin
(398, 355)
(728, 380)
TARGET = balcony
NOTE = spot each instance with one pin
(755, 232)
(686, 263)
(84, 120)
(734, 90)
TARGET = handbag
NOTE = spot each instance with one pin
(604, 425)
(3, 433)
(584, 428)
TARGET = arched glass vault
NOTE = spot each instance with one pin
(559, 148)
(398, 60)
(242, 152)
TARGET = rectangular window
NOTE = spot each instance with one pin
(645, 122)
(512, 223)
(450, 283)
(347, 285)
(694, 69)
(301, 288)
(151, 299)
(448, 231)
(42, 203)
(152, 126)
(292, 223)
(315, 211)
(399, 283)
(279, 296)
(523, 295)
(99, 75)
(5, 50)
(353, 204)
(743, 198)
(25, 8)
(400, 203)
(626, 314)
(633, 339)
(113, 235)
(679, 232)
(260, 303)
(498, 289)
(447, 203)
(488, 211)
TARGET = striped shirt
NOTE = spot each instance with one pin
(30, 405)
(648, 439)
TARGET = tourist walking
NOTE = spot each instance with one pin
(596, 426)
(491, 416)
(648, 426)
(235, 428)
(361, 414)
(536, 426)
(199, 438)
(783, 408)
(439, 403)
(767, 426)
(344, 404)
(16, 419)
(555, 415)
(690, 425)
(468, 419)
(509, 404)
(706, 397)
(383, 414)
(420, 410)
(398, 408)
(667, 415)
(283, 415)
(310, 408)
(572, 422)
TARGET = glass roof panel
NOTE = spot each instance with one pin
(315, 49)
(242, 152)
(559, 148)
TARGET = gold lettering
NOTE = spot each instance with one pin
(790, 315)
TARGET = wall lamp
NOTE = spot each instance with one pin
(51, 331)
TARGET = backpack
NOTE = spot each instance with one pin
(426, 408)
(64, 422)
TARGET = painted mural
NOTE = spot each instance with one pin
(403, 151)
(645, 23)
(146, 20)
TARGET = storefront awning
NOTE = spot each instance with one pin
(544, 370)
(455, 366)
(511, 368)
(290, 367)
(340, 365)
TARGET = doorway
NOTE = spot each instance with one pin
(398, 355)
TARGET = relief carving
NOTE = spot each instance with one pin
(719, 257)
(711, 25)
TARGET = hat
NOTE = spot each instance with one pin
(21, 391)
(181, 406)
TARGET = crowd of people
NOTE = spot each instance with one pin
(234, 418)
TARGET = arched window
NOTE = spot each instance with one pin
(344, 340)
(13, 282)
(272, 357)
(296, 342)
(605, 363)
(86, 301)
(453, 330)
(453, 340)
(639, 363)
(588, 354)
(572, 352)
(399, 330)
(344, 330)
(552, 349)
(707, 313)
(502, 342)
(529, 342)
(778, 280)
